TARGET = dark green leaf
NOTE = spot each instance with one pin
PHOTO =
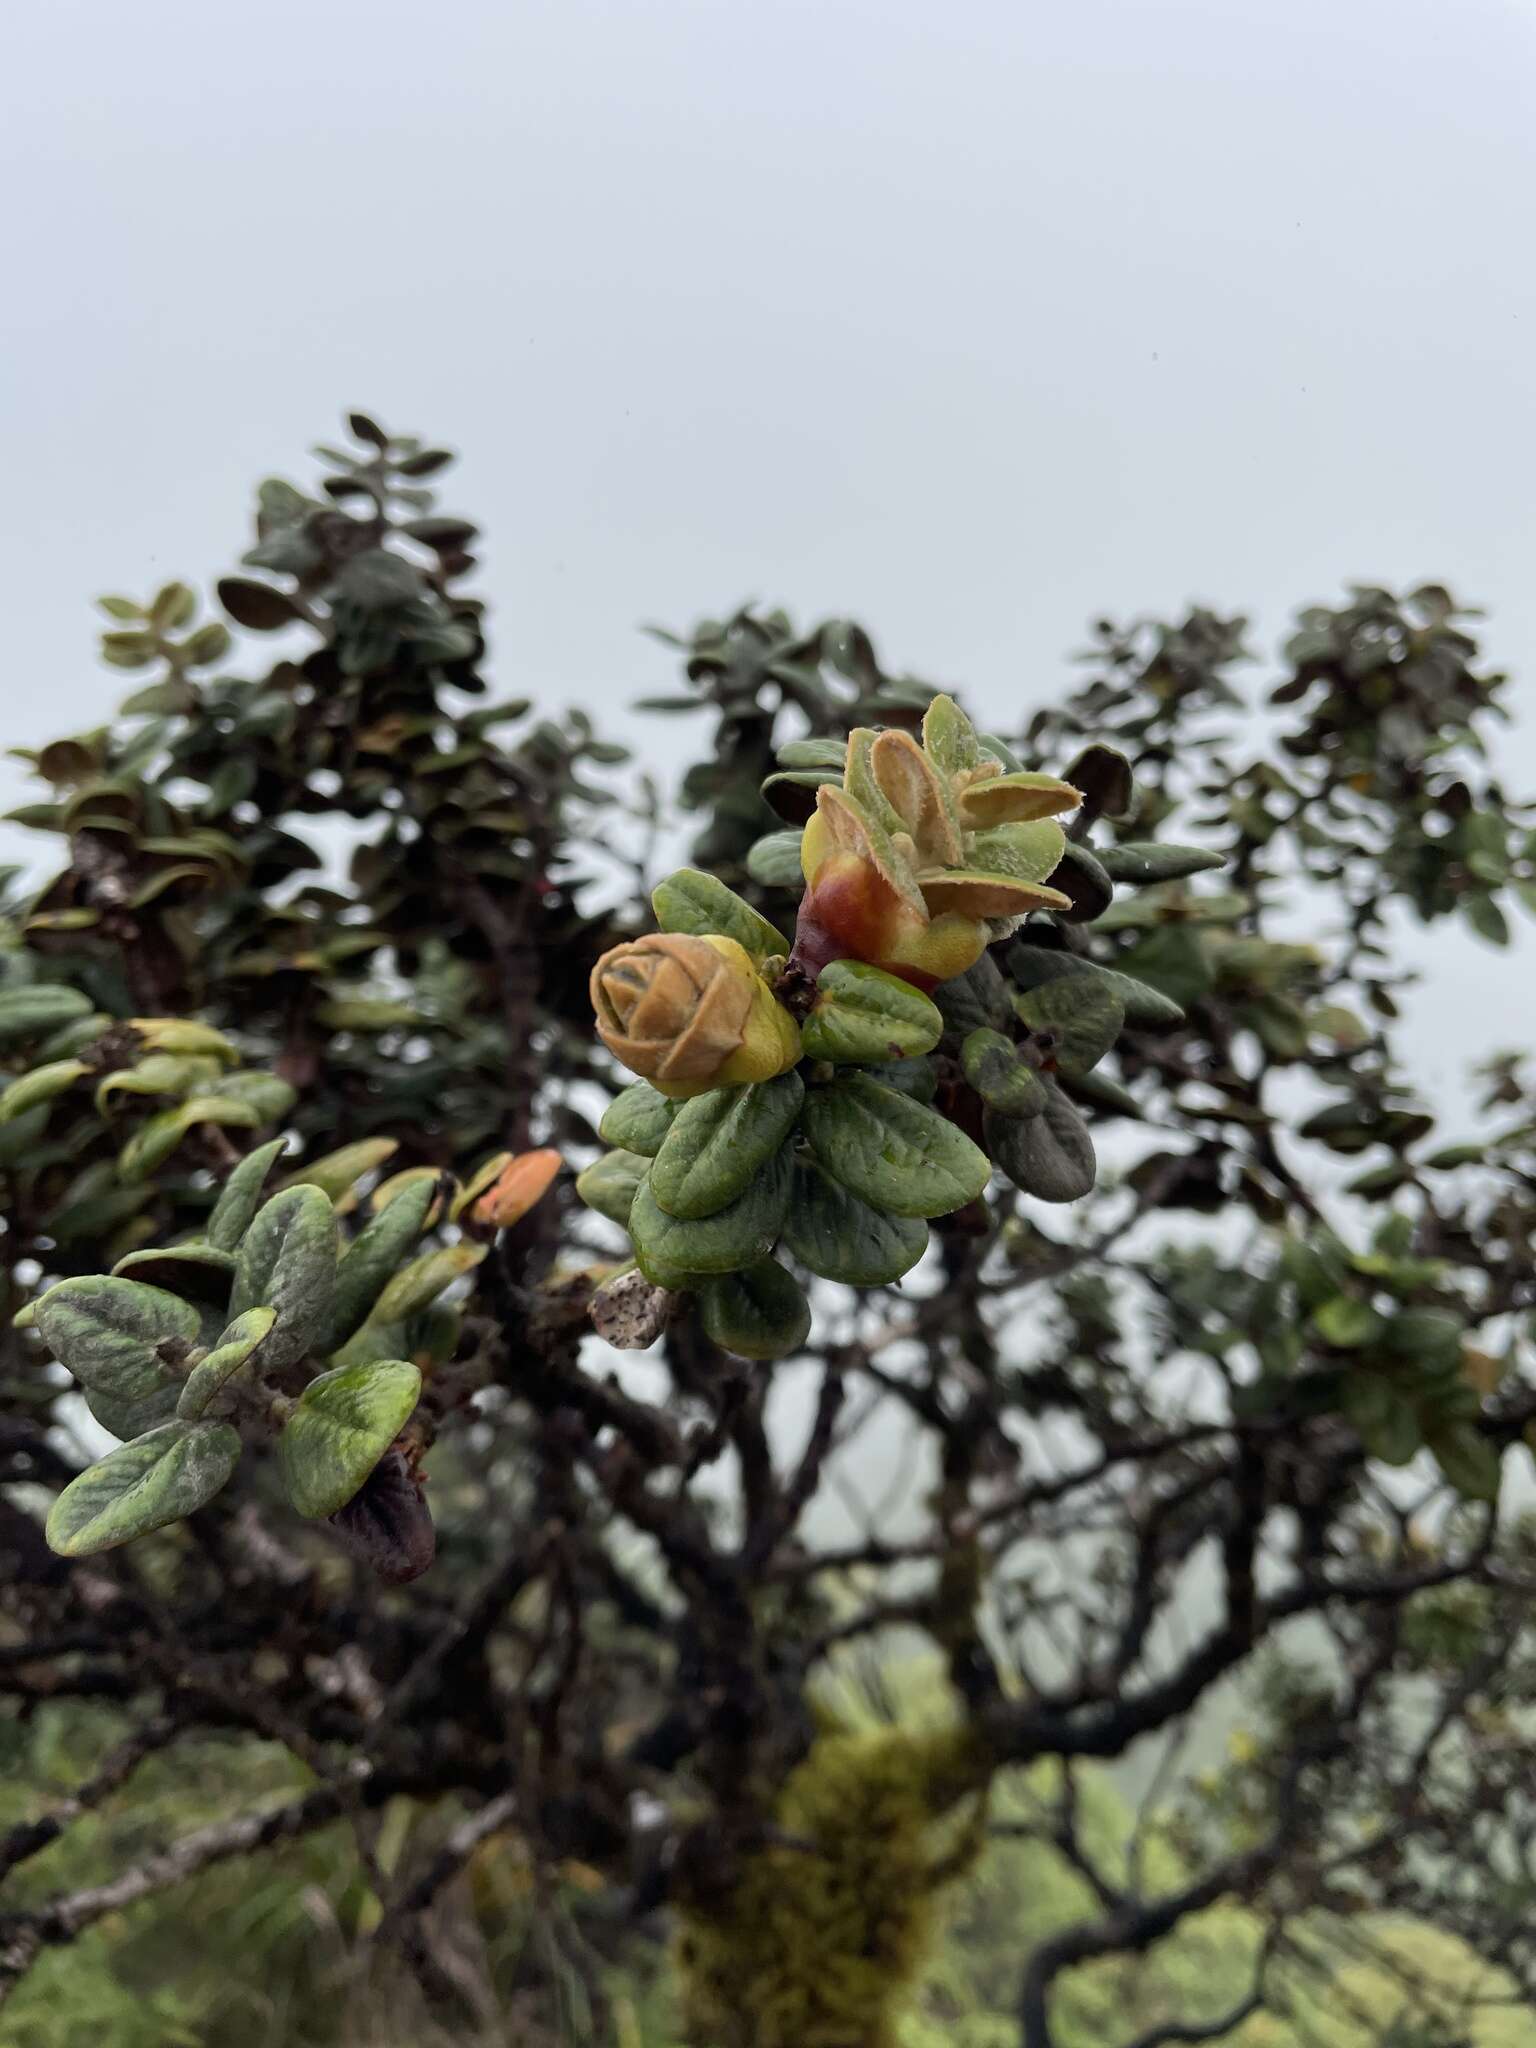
(156, 1479)
(760, 1312)
(344, 1423)
(892, 1152)
(844, 1239)
(719, 1141)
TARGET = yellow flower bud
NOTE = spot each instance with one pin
(691, 1013)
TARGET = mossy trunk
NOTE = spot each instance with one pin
(819, 1940)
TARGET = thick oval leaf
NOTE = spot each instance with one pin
(1104, 776)
(691, 901)
(978, 997)
(720, 1141)
(1016, 799)
(424, 1279)
(29, 1012)
(133, 1415)
(918, 1078)
(1136, 860)
(863, 1014)
(156, 1479)
(793, 793)
(672, 1251)
(760, 1312)
(1032, 966)
(158, 1073)
(892, 1152)
(1083, 1014)
(813, 754)
(240, 1196)
(268, 1095)
(41, 1085)
(1028, 853)
(841, 1238)
(154, 1143)
(287, 1261)
(184, 1035)
(344, 1423)
(109, 1333)
(337, 1172)
(370, 1261)
(234, 1350)
(1082, 880)
(197, 1272)
(608, 1185)
(638, 1119)
(1001, 1076)
(1050, 1155)
(774, 862)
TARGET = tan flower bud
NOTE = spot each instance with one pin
(690, 1013)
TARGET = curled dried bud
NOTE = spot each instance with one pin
(387, 1523)
(630, 1313)
(691, 1013)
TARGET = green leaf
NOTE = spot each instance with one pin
(1049, 1156)
(691, 901)
(841, 1238)
(760, 1312)
(233, 1351)
(270, 1097)
(160, 1073)
(154, 1142)
(29, 1012)
(813, 754)
(1386, 1424)
(1000, 1074)
(1490, 923)
(132, 1415)
(638, 1119)
(197, 1272)
(338, 1171)
(672, 1250)
(1136, 860)
(156, 1479)
(108, 1333)
(1467, 1458)
(369, 1262)
(1149, 1008)
(1347, 1322)
(892, 1152)
(1174, 961)
(240, 1196)
(918, 1078)
(1084, 1014)
(344, 1423)
(41, 1085)
(720, 1141)
(774, 862)
(424, 1279)
(979, 997)
(287, 1261)
(1082, 878)
(863, 1013)
(608, 1185)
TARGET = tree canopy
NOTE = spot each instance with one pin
(1014, 1241)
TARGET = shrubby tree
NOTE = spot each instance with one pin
(389, 1374)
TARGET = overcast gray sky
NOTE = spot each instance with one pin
(972, 319)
